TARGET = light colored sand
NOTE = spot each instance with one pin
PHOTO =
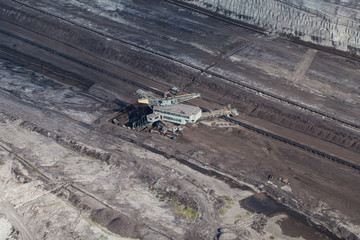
(5, 228)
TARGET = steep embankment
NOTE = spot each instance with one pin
(319, 22)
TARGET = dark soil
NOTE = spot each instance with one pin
(164, 47)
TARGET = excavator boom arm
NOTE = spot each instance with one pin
(183, 98)
(150, 99)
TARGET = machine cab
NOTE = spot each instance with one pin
(151, 118)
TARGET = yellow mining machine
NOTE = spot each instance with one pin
(168, 115)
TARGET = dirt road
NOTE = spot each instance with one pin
(15, 219)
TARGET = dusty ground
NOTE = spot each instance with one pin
(68, 173)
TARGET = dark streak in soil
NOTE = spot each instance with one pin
(288, 141)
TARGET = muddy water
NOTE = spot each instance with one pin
(293, 225)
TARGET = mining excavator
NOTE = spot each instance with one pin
(166, 115)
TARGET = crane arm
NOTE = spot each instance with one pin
(150, 99)
(183, 98)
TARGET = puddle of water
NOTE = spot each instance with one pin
(261, 203)
(294, 228)
(294, 225)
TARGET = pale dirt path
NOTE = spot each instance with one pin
(304, 64)
(15, 219)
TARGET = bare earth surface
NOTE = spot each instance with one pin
(66, 172)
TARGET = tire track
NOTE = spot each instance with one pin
(292, 143)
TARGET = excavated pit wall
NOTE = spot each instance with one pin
(318, 22)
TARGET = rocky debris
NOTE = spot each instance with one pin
(169, 191)
(119, 223)
(20, 176)
(344, 233)
(6, 229)
(4, 118)
(15, 234)
(259, 223)
(72, 144)
(226, 234)
(76, 200)
(217, 202)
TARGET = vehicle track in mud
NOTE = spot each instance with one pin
(257, 130)
(244, 86)
(292, 143)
